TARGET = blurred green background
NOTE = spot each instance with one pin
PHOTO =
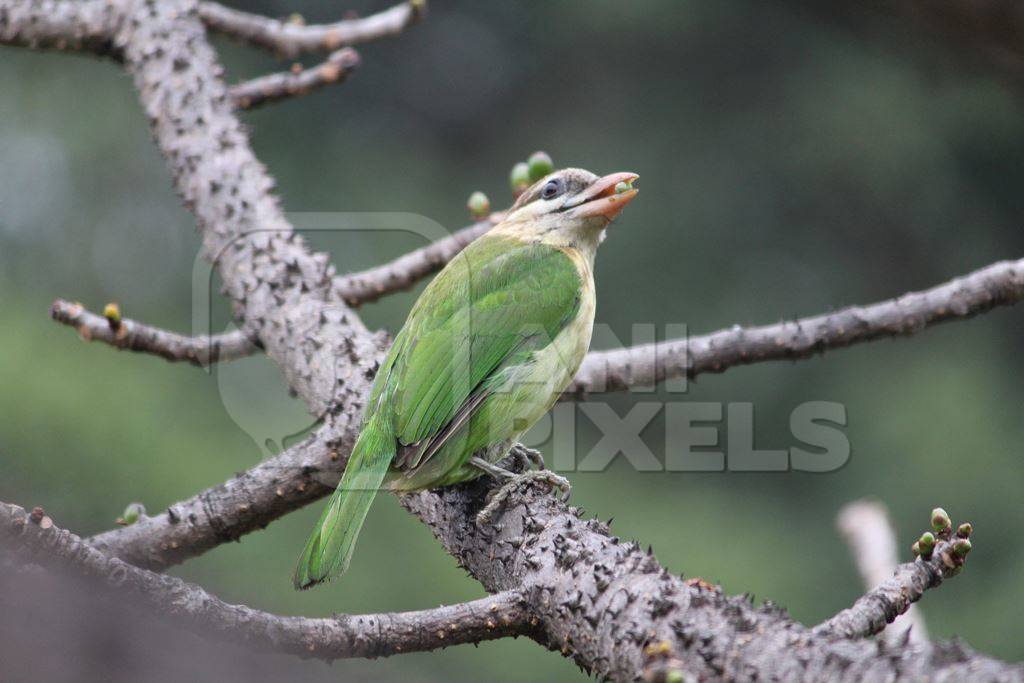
(790, 163)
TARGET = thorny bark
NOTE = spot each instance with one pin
(605, 603)
(618, 613)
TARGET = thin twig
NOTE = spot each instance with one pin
(286, 84)
(1000, 284)
(877, 608)
(868, 531)
(33, 538)
(291, 38)
(135, 336)
(405, 271)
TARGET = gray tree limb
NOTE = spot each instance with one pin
(869, 533)
(895, 595)
(130, 335)
(1000, 284)
(247, 502)
(33, 538)
(287, 84)
(290, 39)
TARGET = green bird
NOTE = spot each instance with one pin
(486, 351)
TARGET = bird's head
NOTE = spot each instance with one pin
(569, 207)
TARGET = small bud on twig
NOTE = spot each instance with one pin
(964, 530)
(941, 522)
(479, 205)
(539, 165)
(926, 544)
(112, 312)
(519, 178)
(961, 547)
(132, 514)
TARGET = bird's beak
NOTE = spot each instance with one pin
(601, 199)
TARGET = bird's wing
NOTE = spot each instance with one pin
(495, 304)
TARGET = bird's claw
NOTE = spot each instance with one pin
(545, 477)
(530, 458)
(522, 459)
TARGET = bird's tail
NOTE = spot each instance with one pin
(329, 548)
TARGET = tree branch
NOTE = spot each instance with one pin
(283, 294)
(290, 39)
(33, 538)
(130, 335)
(80, 26)
(247, 502)
(286, 84)
(407, 270)
(895, 595)
(1000, 284)
(866, 527)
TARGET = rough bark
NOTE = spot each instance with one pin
(611, 606)
(82, 26)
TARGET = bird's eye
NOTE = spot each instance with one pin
(552, 188)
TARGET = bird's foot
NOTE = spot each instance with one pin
(513, 481)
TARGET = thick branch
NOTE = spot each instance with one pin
(135, 336)
(81, 26)
(32, 538)
(286, 84)
(283, 294)
(618, 613)
(290, 39)
(1000, 284)
(894, 596)
(866, 527)
(407, 270)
